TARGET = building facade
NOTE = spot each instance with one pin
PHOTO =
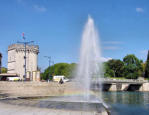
(0, 62)
(16, 59)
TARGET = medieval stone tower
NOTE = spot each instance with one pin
(0, 62)
(16, 63)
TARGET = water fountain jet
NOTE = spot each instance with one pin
(89, 66)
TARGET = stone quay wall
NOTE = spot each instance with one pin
(37, 88)
(27, 89)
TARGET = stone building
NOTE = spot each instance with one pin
(0, 62)
(16, 60)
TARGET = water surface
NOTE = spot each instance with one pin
(127, 103)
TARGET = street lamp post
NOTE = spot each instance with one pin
(53, 67)
(49, 59)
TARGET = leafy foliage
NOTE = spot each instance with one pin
(114, 68)
(147, 67)
(132, 67)
(4, 70)
(59, 69)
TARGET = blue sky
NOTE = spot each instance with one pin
(56, 26)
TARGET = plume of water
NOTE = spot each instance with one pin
(89, 66)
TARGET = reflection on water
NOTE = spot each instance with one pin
(135, 98)
(127, 103)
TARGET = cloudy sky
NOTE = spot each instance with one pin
(56, 26)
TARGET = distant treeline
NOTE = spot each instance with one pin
(130, 68)
(3, 70)
(59, 69)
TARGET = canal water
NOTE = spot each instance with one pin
(127, 103)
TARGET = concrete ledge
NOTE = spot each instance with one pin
(77, 108)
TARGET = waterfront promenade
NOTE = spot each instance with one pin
(7, 109)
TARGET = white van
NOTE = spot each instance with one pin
(57, 78)
(13, 78)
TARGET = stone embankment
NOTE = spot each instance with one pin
(55, 89)
(37, 88)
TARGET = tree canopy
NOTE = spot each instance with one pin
(114, 68)
(3, 70)
(147, 67)
(59, 69)
(132, 67)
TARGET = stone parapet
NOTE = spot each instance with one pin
(20, 47)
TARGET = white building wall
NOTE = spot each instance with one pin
(11, 61)
(16, 60)
(20, 63)
(32, 62)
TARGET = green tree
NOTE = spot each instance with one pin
(59, 69)
(4, 70)
(132, 66)
(72, 70)
(45, 75)
(107, 71)
(114, 68)
(147, 67)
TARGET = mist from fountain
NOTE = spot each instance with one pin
(89, 67)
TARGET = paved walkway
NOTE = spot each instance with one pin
(7, 109)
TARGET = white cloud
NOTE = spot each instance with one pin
(111, 48)
(112, 45)
(103, 59)
(140, 10)
(39, 8)
(112, 42)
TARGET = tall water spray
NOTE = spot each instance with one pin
(90, 54)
